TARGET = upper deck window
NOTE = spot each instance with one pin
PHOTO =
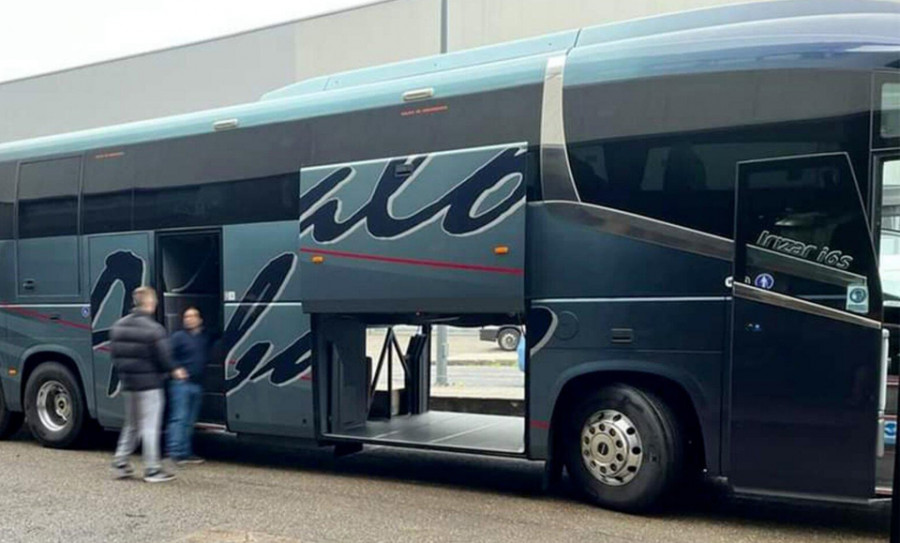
(890, 110)
(48, 198)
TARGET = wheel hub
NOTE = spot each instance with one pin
(54, 406)
(611, 447)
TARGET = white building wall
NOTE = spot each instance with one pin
(206, 75)
(474, 23)
(369, 36)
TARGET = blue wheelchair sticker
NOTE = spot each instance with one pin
(85, 311)
(890, 432)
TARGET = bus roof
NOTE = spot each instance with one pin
(788, 34)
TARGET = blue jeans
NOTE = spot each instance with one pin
(185, 399)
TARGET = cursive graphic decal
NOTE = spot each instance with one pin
(282, 368)
(459, 209)
(126, 268)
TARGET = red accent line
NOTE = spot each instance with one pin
(893, 380)
(540, 424)
(34, 314)
(417, 262)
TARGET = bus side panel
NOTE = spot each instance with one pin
(672, 303)
(9, 383)
(116, 265)
(266, 341)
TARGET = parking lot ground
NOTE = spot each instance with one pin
(248, 492)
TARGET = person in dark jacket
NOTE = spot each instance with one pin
(190, 350)
(140, 355)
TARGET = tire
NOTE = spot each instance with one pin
(54, 406)
(634, 444)
(10, 422)
(508, 339)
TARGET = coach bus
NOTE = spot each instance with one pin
(684, 212)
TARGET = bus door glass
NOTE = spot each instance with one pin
(807, 339)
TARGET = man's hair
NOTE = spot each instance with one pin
(143, 294)
(191, 308)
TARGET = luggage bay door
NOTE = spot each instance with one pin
(118, 264)
(441, 233)
(807, 337)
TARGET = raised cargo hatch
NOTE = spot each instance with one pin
(442, 233)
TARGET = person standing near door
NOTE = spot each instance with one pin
(140, 354)
(190, 350)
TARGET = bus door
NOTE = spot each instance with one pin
(117, 264)
(807, 344)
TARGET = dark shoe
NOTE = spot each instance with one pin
(189, 460)
(158, 476)
(122, 471)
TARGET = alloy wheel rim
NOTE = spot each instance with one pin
(54, 406)
(611, 447)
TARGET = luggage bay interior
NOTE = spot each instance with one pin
(379, 392)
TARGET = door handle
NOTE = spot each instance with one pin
(28, 284)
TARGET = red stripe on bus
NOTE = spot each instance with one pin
(34, 314)
(540, 424)
(416, 262)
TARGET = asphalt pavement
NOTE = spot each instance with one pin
(259, 493)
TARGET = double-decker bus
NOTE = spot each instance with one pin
(684, 212)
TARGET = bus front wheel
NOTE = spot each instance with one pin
(10, 422)
(623, 448)
(54, 406)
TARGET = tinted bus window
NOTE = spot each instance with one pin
(106, 202)
(244, 176)
(890, 110)
(48, 198)
(667, 148)
(7, 198)
(805, 230)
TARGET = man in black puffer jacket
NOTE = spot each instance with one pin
(140, 353)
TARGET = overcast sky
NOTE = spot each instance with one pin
(40, 36)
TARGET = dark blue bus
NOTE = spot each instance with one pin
(685, 212)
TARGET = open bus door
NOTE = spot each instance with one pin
(807, 365)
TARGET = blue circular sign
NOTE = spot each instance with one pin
(764, 281)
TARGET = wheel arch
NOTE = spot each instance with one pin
(34, 357)
(679, 391)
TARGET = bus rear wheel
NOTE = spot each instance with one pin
(623, 448)
(54, 406)
(10, 422)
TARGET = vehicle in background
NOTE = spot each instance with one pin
(507, 337)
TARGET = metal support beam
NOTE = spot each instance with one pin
(445, 25)
(443, 350)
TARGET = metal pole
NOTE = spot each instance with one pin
(443, 350)
(445, 25)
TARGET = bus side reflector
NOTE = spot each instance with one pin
(317, 259)
(501, 250)
(12, 372)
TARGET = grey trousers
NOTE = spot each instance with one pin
(143, 422)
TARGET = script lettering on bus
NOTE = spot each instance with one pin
(459, 209)
(282, 368)
(256, 363)
(822, 255)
